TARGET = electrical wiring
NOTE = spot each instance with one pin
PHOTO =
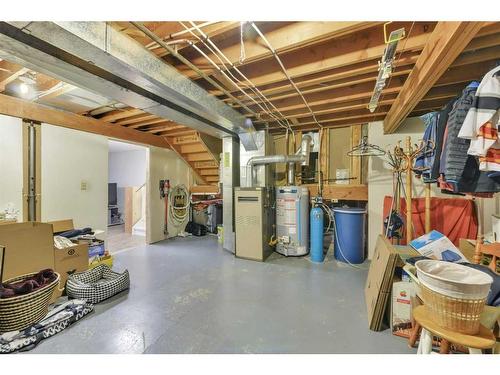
(285, 72)
(225, 75)
(210, 45)
(185, 61)
(252, 86)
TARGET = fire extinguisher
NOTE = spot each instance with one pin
(164, 191)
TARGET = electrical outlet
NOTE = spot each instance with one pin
(83, 185)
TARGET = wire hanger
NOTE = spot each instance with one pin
(366, 149)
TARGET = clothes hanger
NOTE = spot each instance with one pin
(366, 149)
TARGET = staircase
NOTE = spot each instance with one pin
(200, 152)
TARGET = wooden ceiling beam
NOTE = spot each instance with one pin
(333, 124)
(154, 121)
(445, 44)
(25, 109)
(365, 45)
(212, 31)
(289, 37)
(119, 114)
(10, 73)
(140, 118)
(345, 72)
(337, 84)
(166, 129)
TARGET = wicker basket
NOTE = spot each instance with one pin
(460, 315)
(17, 313)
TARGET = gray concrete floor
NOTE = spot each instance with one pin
(188, 296)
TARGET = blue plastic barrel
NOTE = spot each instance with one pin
(349, 236)
(316, 221)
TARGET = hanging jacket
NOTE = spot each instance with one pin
(425, 159)
(486, 104)
(440, 130)
(455, 151)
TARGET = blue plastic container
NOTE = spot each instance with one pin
(316, 220)
(349, 234)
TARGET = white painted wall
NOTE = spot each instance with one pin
(68, 158)
(127, 168)
(379, 178)
(11, 163)
(163, 164)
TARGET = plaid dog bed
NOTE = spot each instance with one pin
(97, 284)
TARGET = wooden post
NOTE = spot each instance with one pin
(409, 225)
(355, 167)
(427, 208)
(324, 154)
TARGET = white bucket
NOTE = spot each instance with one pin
(453, 280)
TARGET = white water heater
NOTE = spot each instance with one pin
(292, 220)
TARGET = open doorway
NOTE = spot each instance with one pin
(127, 165)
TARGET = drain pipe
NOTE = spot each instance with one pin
(301, 156)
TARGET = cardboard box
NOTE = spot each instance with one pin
(403, 293)
(29, 248)
(68, 260)
(59, 226)
(380, 276)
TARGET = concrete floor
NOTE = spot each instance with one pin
(188, 296)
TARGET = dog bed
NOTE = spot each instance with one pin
(97, 284)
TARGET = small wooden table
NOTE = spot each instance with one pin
(484, 339)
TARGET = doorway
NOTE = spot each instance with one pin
(127, 171)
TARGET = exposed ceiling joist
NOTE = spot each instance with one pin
(290, 37)
(445, 44)
(15, 107)
(10, 73)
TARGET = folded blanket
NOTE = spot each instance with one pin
(54, 322)
(28, 285)
(75, 232)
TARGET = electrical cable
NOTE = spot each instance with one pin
(275, 54)
(185, 61)
(204, 39)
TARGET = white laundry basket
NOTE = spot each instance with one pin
(454, 294)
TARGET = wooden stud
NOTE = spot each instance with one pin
(324, 164)
(355, 167)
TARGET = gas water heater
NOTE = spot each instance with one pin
(292, 220)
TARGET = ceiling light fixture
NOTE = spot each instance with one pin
(385, 66)
(23, 88)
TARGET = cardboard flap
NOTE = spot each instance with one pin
(29, 247)
(59, 226)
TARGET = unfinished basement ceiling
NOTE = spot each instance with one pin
(333, 66)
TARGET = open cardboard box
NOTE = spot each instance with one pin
(379, 282)
(71, 259)
(29, 247)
